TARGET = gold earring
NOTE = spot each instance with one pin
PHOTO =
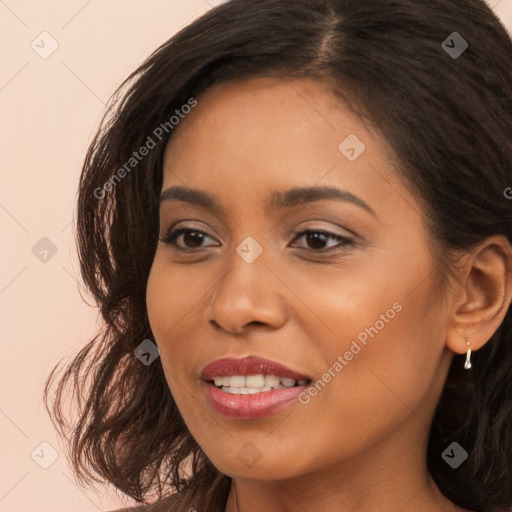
(467, 364)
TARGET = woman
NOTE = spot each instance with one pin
(296, 220)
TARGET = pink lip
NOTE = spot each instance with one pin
(248, 366)
(246, 407)
(251, 405)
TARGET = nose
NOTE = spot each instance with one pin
(248, 294)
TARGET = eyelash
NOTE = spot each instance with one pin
(171, 236)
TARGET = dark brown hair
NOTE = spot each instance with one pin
(449, 122)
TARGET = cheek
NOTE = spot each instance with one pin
(176, 300)
(387, 330)
(172, 295)
(165, 308)
(393, 374)
(170, 300)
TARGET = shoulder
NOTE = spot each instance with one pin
(193, 494)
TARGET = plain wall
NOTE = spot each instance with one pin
(50, 109)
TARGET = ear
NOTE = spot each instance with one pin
(482, 295)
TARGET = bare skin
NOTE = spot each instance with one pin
(360, 443)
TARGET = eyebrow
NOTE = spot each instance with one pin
(277, 200)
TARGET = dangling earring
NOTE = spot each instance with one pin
(467, 364)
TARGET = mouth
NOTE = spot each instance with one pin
(257, 383)
(251, 387)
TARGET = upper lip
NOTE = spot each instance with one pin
(249, 365)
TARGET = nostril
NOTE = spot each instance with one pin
(256, 322)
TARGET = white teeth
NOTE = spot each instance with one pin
(247, 385)
(287, 383)
(237, 381)
(254, 381)
(248, 391)
(272, 380)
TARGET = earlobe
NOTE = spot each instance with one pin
(484, 292)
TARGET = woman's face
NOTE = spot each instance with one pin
(362, 319)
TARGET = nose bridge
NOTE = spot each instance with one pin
(248, 291)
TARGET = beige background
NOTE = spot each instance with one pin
(50, 110)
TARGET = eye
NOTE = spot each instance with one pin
(318, 237)
(191, 237)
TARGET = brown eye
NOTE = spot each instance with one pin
(317, 239)
(192, 238)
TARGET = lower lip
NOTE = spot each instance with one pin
(246, 407)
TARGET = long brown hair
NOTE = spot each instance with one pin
(449, 121)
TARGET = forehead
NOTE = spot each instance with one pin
(268, 125)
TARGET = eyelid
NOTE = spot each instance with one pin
(350, 233)
(174, 227)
